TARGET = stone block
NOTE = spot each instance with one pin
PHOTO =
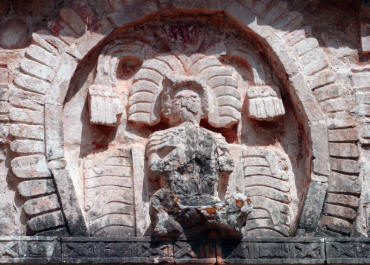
(322, 78)
(290, 67)
(340, 211)
(271, 251)
(51, 39)
(303, 98)
(291, 38)
(365, 134)
(23, 249)
(61, 79)
(41, 55)
(4, 76)
(54, 139)
(337, 225)
(25, 103)
(341, 183)
(39, 249)
(311, 214)
(313, 61)
(345, 165)
(26, 116)
(141, 191)
(340, 120)
(71, 209)
(363, 97)
(320, 152)
(345, 150)
(29, 167)
(306, 45)
(31, 83)
(52, 250)
(27, 146)
(347, 250)
(41, 204)
(334, 105)
(35, 132)
(360, 79)
(46, 221)
(36, 187)
(4, 93)
(342, 199)
(4, 132)
(343, 135)
(364, 110)
(24, 94)
(40, 41)
(122, 251)
(4, 107)
(4, 117)
(36, 69)
(327, 92)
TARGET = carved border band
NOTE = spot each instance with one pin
(78, 250)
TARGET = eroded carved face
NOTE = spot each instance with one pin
(186, 106)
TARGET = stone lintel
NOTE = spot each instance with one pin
(93, 250)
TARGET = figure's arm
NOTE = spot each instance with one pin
(155, 142)
(225, 162)
(158, 149)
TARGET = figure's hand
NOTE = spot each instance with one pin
(160, 142)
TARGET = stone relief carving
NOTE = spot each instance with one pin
(248, 105)
(279, 149)
(109, 193)
(190, 161)
(176, 99)
(270, 184)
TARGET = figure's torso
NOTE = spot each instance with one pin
(193, 170)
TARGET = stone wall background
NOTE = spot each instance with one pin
(337, 25)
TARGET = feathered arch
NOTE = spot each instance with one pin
(104, 101)
(147, 86)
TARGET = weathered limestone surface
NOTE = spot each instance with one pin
(95, 250)
(183, 131)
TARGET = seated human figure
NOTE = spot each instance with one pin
(190, 161)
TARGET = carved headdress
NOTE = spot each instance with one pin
(205, 71)
(174, 82)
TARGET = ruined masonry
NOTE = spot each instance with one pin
(185, 132)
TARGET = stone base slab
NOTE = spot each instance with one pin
(92, 250)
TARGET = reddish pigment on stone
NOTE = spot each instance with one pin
(55, 27)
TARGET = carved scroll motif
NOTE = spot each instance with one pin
(109, 197)
(268, 180)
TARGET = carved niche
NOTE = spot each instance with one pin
(168, 121)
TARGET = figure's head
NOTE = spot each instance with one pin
(186, 106)
(184, 101)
